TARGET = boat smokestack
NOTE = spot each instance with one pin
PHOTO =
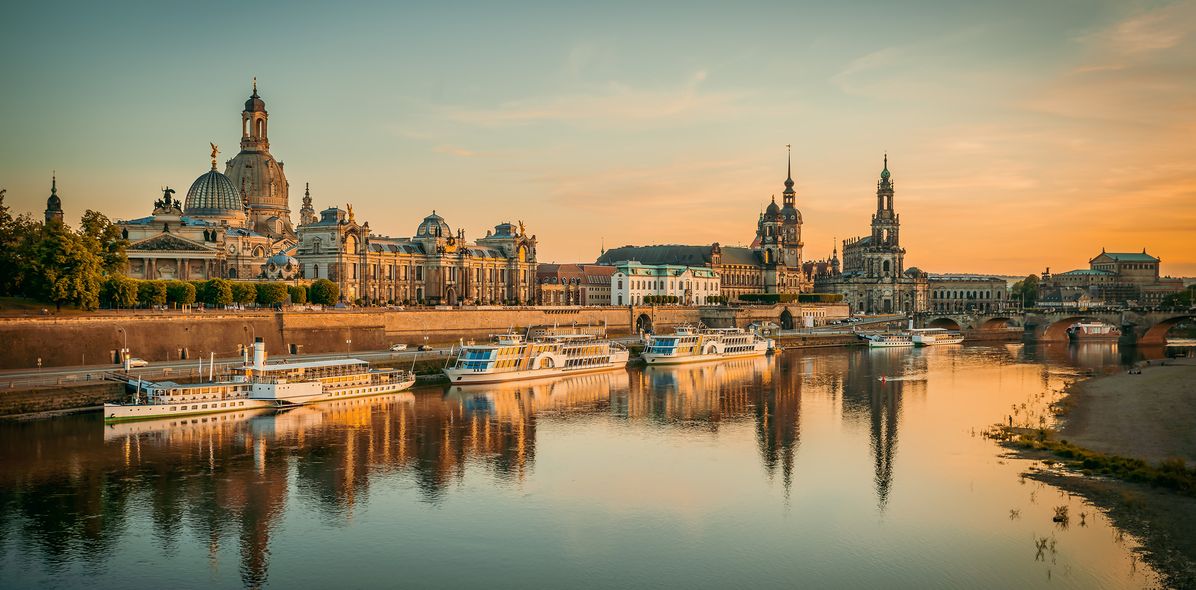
(259, 353)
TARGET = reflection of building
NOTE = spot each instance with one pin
(954, 293)
(435, 266)
(632, 282)
(873, 277)
(772, 264)
(1112, 277)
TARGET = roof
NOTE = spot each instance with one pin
(1129, 256)
(212, 194)
(662, 254)
(740, 255)
(1085, 272)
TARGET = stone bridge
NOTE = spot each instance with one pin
(1137, 327)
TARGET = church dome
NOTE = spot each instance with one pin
(255, 104)
(433, 226)
(213, 194)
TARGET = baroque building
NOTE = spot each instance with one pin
(260, 178)
(233, 225)
(204, 237)
(435, 266)
(1125, 278)
(873, 277)
(771, 264)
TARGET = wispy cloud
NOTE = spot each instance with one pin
(613, 102)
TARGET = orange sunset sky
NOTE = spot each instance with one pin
(1020, 134)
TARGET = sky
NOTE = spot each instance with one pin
(1020, 134)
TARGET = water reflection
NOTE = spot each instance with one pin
(76, 495)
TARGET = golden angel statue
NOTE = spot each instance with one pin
(522, 232)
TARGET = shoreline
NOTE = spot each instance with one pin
(1126, 444)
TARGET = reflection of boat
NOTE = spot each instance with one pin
(180, 424)
(261, 385)
(554, 393)
(934, 336)
(691, 345)
(1080, 331)
(888, 339)
(512, 358)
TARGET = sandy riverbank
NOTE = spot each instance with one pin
(1149, 415)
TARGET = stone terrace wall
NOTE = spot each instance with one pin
(91, 340)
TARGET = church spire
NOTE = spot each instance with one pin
(54, 203)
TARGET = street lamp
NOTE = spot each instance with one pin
(349, 344)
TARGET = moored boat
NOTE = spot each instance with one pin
(511, 357)
(689, 344)
(261, 385)
(1085, 331)
(888, 339)
(934, 336)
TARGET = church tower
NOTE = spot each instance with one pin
(262, 177)
(307, 214)
(791, 220)
(885, 258)
(54, 204)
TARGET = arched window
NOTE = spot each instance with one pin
(885, 266)
(261, 127)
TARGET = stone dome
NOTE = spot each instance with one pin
(433, 226)
(213, 195)
(255, 104)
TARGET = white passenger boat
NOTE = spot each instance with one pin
(511, 357)
(888, 339)
(261, 385)
(1083, 331)
(934, 336)
(696, 344)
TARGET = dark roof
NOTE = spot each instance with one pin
(664, 254)
(740, 255)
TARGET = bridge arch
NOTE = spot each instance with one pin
(1157, 334)
(1057, 330)
(944, 323)
(999, 323)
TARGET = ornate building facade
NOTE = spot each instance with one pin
(1112, 277)
(233, 225)
(260, 178)
(772, 264)
(873, 277)
(436, 266)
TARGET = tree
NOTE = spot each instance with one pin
(180, 292)
(271, 294)
(217, 292)
(151, 293)
(1026, 291)
(120, 292)
(324, 292)
(298, 294)
(64, 269)
(18, 235)
(1181, 300)
(104, 238)
(244, 293)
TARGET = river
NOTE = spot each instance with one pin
(820, 468)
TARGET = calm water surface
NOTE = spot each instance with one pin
(806, 469)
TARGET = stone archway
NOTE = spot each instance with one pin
(787, 322)
(998, 324)
(643, 323)
(945, 323)
(1157, 334)
(1056, 331)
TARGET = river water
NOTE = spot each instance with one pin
(828, 468)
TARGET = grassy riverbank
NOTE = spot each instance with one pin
(1126, 442)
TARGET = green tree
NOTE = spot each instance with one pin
(1182, 299)
(104, 238)
(152, 292)
(324, 292)
(244, 293)
(271, 294)
(18, 236)
(298, 294)
(64, 269)
(119, 292)
(217, 292)
(1026, 291)
(180, 292)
